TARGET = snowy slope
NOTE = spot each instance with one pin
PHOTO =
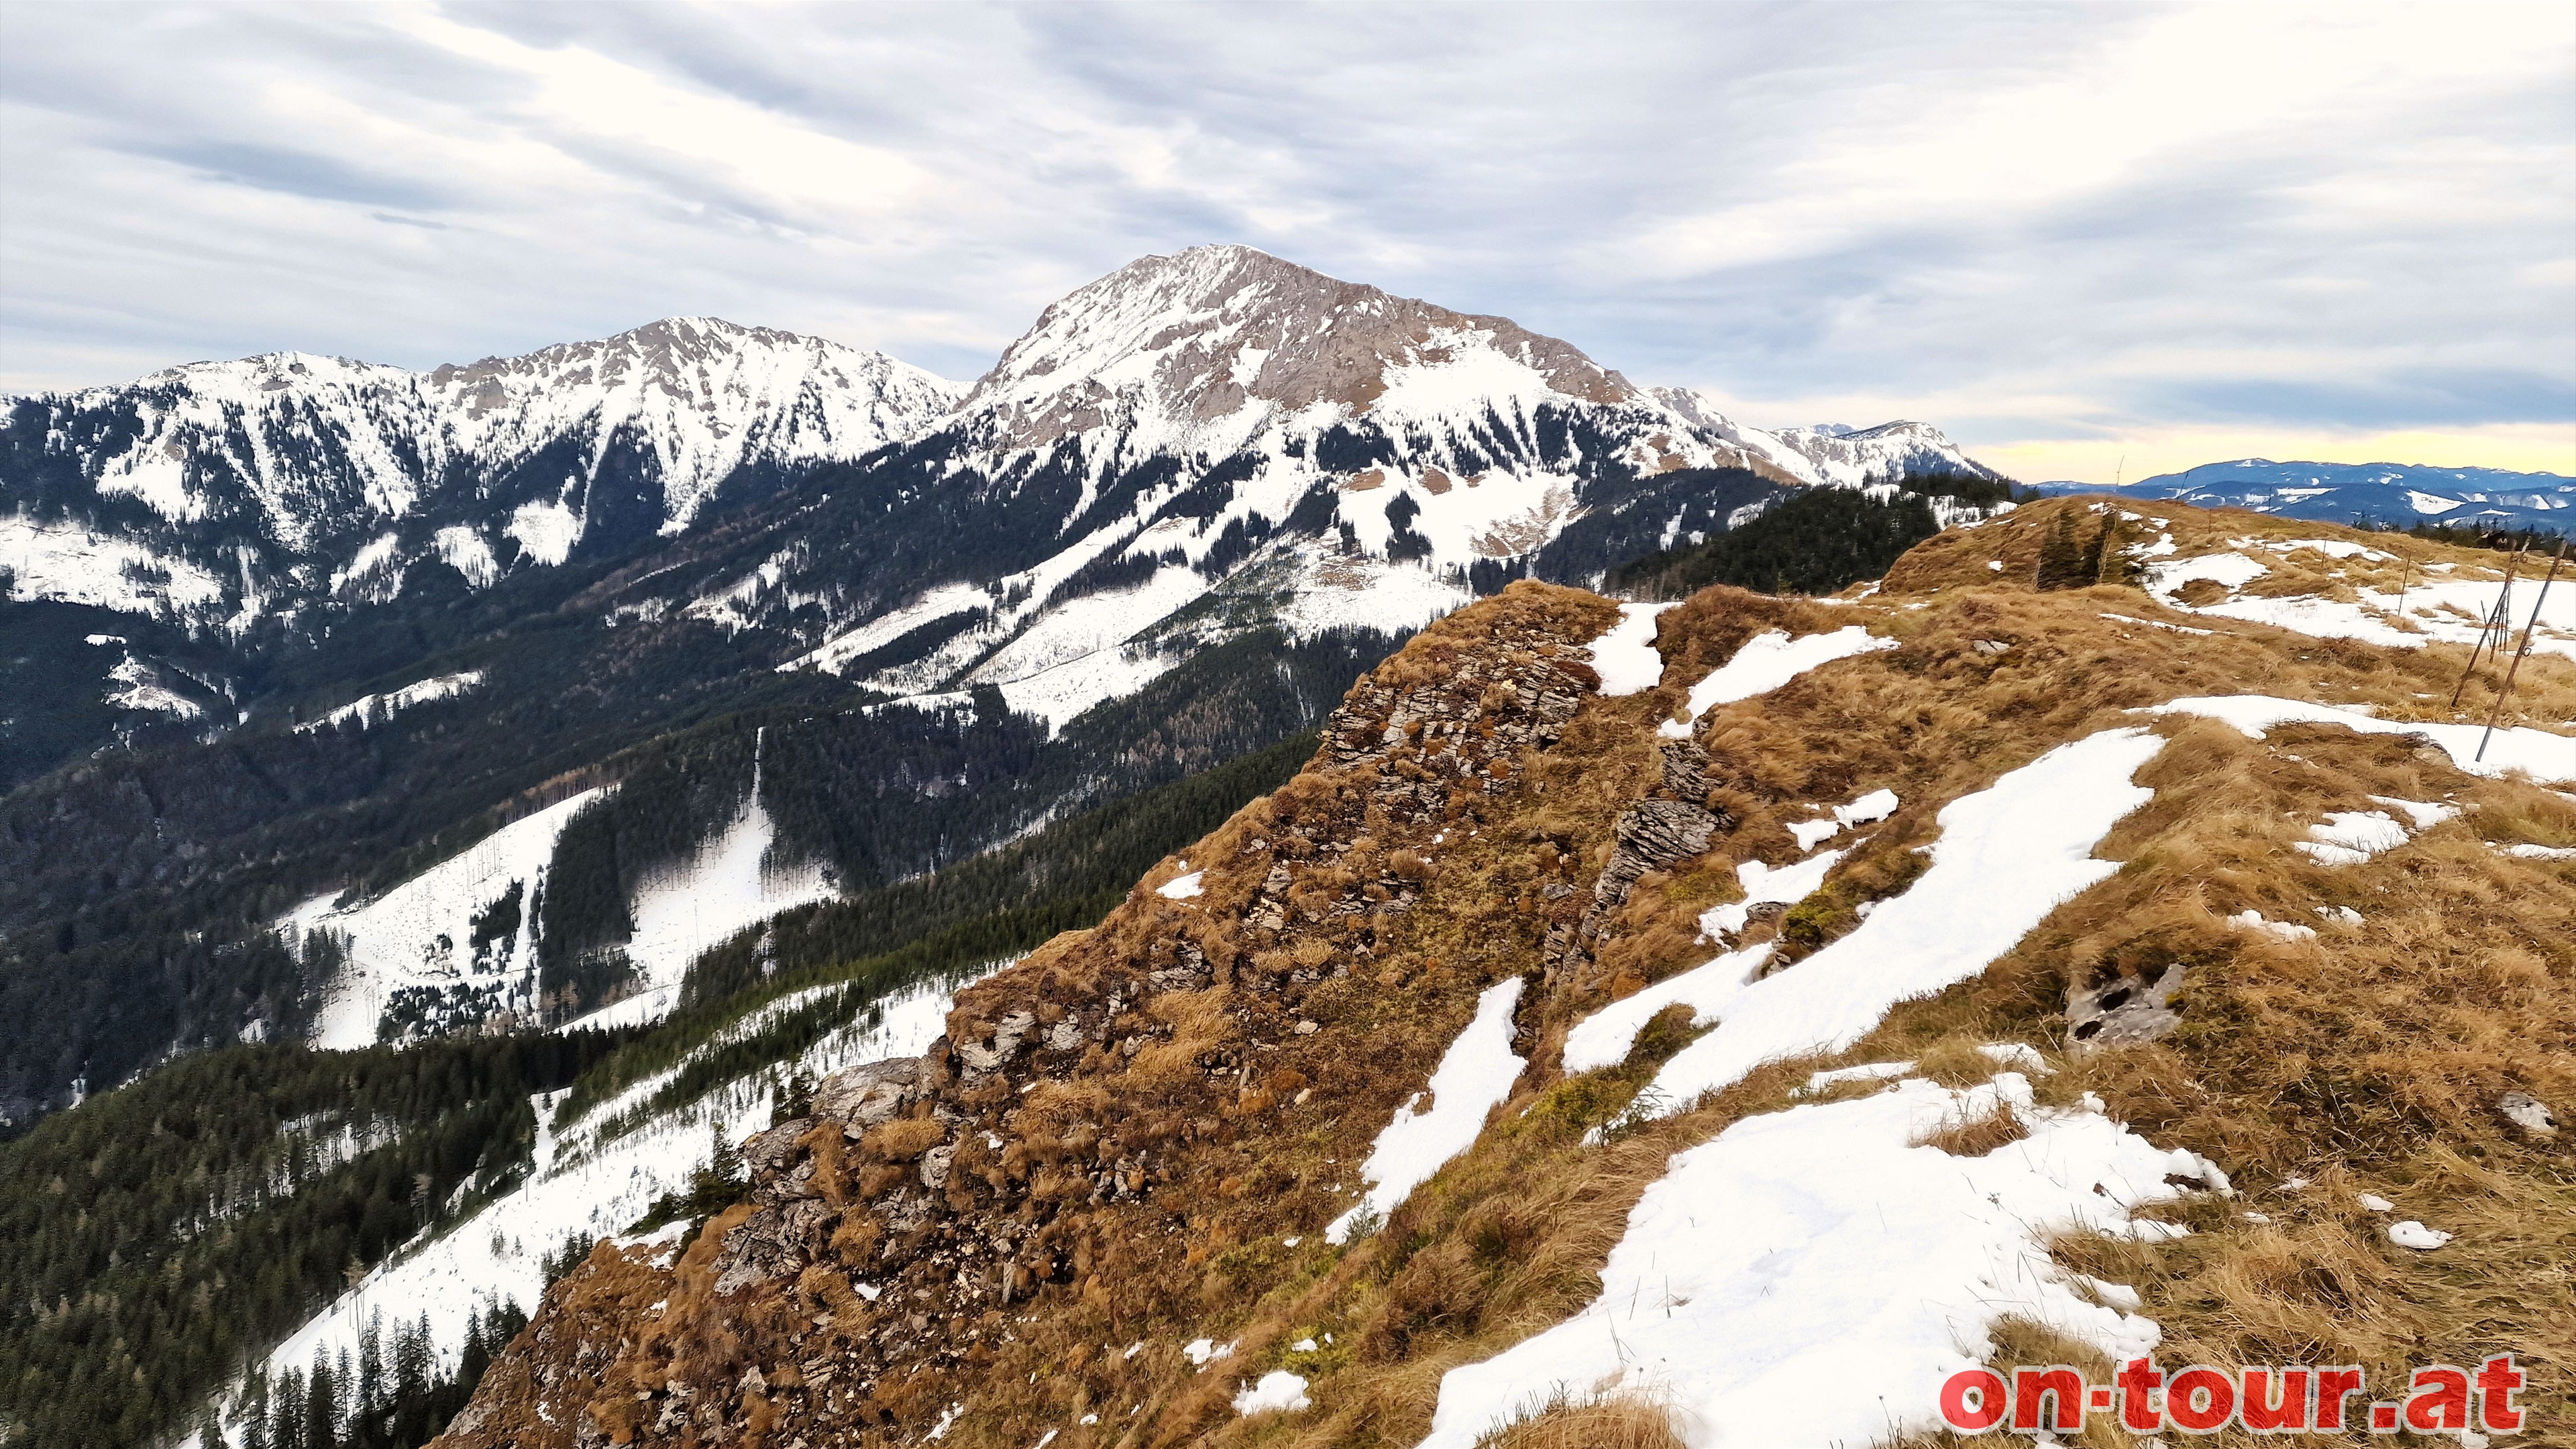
(1194, 417)
(1226, 353)
(586, 1182)
(703, 396)
(352, 471)
(420, 933)
(1850, 456)
(1767, 453)
(2392, 494)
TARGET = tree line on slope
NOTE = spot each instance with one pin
(209, 1211)
(1812, 541)
(979, 911)
(155, 1238)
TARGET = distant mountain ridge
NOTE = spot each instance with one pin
(2375, 494)
(278, 481)
(356, 621)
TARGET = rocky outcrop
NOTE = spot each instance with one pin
(2124, 1010)
(892, 1231)
(1670, 825)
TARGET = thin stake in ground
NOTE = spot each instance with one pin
(2497, 619)
(2527, 631)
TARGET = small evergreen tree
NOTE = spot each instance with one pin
(797, 1100)
(2061, 558)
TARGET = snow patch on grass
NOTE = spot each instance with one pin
(1766, 662)
(1474, 1076)
(1624, 656)
(1812, 1277)
(2349, 837)
(1278, 1391)
(2541, 754)
(2007, 856)
(1605, 1038)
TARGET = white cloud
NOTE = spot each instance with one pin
(2027, 223)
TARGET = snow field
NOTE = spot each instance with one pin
(1767, 661)
(138, 689)
(1766, 885)
(723, 888)
(1062, 693)
(1811, 1276)
(2006, 857)
(2542, 755)
(68, 562)
(369, 710)
(394, 940)
(2439, 609)
(1473, 1077)
(1605, 1038)
(1364, 593)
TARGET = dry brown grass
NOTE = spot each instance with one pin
(2285, 1066)
(2368, 1059)
(1575, 1421)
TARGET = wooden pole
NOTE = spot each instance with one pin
(2496, 617)
(2527, 631)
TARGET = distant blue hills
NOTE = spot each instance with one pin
(2369, 494)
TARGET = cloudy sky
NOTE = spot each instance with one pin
(2080, 238)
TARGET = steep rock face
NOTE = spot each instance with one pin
(291, 478)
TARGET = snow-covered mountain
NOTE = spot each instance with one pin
(1850, 456)
(1221, 421)
(230, 490)
(2387, 494)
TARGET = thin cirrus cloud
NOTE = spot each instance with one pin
(2083, 238)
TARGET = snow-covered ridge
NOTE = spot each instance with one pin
(1853, 456)
(1190, 341)
(1828, 453)
(311, 446)
(370, 710)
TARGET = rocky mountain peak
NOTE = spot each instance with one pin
(1221, 333)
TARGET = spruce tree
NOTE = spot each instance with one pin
(321, 1407)
(2061, 558)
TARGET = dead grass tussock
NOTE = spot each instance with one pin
(1569, 1420)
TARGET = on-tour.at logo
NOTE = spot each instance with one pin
(2292, 1399)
